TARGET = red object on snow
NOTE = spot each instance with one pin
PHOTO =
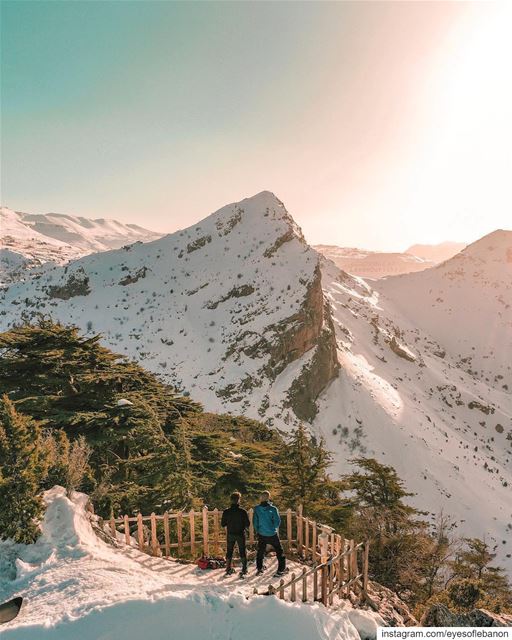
(208, 562)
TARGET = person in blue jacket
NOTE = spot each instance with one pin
(266, 521)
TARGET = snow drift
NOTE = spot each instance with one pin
(77, 586)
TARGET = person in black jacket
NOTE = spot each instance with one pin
(236, 521)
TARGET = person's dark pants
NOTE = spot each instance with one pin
(262, 546)
(239, 539)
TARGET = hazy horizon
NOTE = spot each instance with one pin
(379, 125)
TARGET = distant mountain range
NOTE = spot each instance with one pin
(436, 252)
(31, 240)
(240, 312)
(378, 264)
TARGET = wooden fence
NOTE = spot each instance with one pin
(337, 575)
(335, 566)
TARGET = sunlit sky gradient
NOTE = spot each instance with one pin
(378, 124)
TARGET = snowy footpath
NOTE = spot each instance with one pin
(77, 586)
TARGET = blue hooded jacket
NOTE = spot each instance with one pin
(266, 519)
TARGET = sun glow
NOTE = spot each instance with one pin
(467, 142)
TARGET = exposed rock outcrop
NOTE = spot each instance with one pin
(440, 616)
(315, 376)
(300, 332)
(77, 284)
(401, 350)
(388, 605)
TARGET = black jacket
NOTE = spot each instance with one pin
(235, 519)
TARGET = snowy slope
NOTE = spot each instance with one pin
(30, 240)
(426, 382)
(373, 264)
(77, 586)
(465, 303)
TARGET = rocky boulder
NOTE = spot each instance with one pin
(440, 616)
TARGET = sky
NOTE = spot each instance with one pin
(378, 124)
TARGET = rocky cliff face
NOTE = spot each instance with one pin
(318, 373)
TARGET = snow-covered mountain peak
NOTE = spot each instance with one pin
(230, 309)
(263, 211)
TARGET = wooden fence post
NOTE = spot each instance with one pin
(340, 575)
(206, 546)
(216, 541)
(355, 569)
(126, 531)
(191, 516)
(281, 589)
(154, 541)
(167, 536)
(293, 595)
(299, 529)
(330, 571)
(304, 585)
(140, 532)
(179, 532)
(337, 572)
(350, 560)
(306, 537)
(289, 534)
(314, 542)
(324, 584)
(315, 584)
(365, 568)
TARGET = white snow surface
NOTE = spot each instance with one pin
(77, 586)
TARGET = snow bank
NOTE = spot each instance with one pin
(197, 617)
(77, 586)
